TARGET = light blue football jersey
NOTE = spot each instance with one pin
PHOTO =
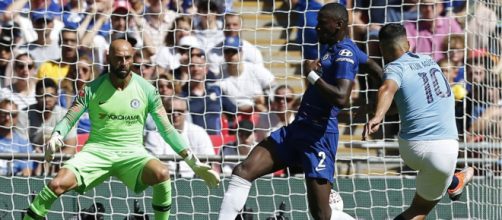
(424, 99)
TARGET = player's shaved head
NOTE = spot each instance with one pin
(120, 44)
(393, 41)
(121, 55)
(336, 11)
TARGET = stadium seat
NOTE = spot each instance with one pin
(81, 140)
(220, 140)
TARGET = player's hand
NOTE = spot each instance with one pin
(55, 142)
(371, 127)
(203, 170)
(310, 65)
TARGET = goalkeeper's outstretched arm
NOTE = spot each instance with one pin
(70, 119)
(178, 144)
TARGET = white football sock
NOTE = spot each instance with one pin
(235, 198)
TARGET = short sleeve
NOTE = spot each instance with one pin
(361, 56)
(393, 72)
(345, 63)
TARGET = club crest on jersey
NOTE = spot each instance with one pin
(326, 56)
(345, 52)
(135, 103)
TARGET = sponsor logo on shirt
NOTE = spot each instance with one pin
(130, 119)
(345, 52)
(344, 59)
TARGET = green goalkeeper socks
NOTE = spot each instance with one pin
(43, 202)
(161, 201)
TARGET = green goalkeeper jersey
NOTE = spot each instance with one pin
(118, 116)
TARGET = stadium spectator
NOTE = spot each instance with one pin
(22, 88)
(84, 17)
(282, 112)
(144, 66)
(166, 56)
(126, 24)
(428, 33)
(123, 26)
(12, 141)
(233, 27)
(208, 28)
(481, 22)
(44, 48)
(58, 69)
(306, 22)
(115, 147)
(370, 16)
(487, 123)
(79, 75)
(310, 141)
(40, 118)
(17, 9)
(95, 39)
(167, 86)
(479, 92)
(454, 59)
(426, 144)
(450, 71)
(5, 58)
(241, 147)
(196, 137)
(206, 103)
(247, 84)
(156, 21)
(11, 32)
(189, 47)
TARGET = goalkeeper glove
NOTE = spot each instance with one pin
(55, 142)
(202, 170)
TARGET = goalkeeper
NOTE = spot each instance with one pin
(118, 104)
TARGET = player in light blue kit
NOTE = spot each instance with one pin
(310, 141)
(428, 137)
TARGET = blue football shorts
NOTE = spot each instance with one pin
(300, 145)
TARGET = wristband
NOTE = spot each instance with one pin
(313, 77)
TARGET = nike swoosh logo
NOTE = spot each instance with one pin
(319, 169)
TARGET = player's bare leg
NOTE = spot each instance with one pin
(418, 209)
(154, 172)
(318, 192)
(260, 161)
(64, 181)
(156, 175)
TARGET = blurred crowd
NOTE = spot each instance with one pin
(213, 82)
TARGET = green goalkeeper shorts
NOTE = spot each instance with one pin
(93, 165)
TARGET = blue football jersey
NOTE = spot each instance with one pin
(340, 61)
(424, 98)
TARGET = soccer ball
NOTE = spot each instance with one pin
(335, 201)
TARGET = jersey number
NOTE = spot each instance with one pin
(321, 165)
(427, 86)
